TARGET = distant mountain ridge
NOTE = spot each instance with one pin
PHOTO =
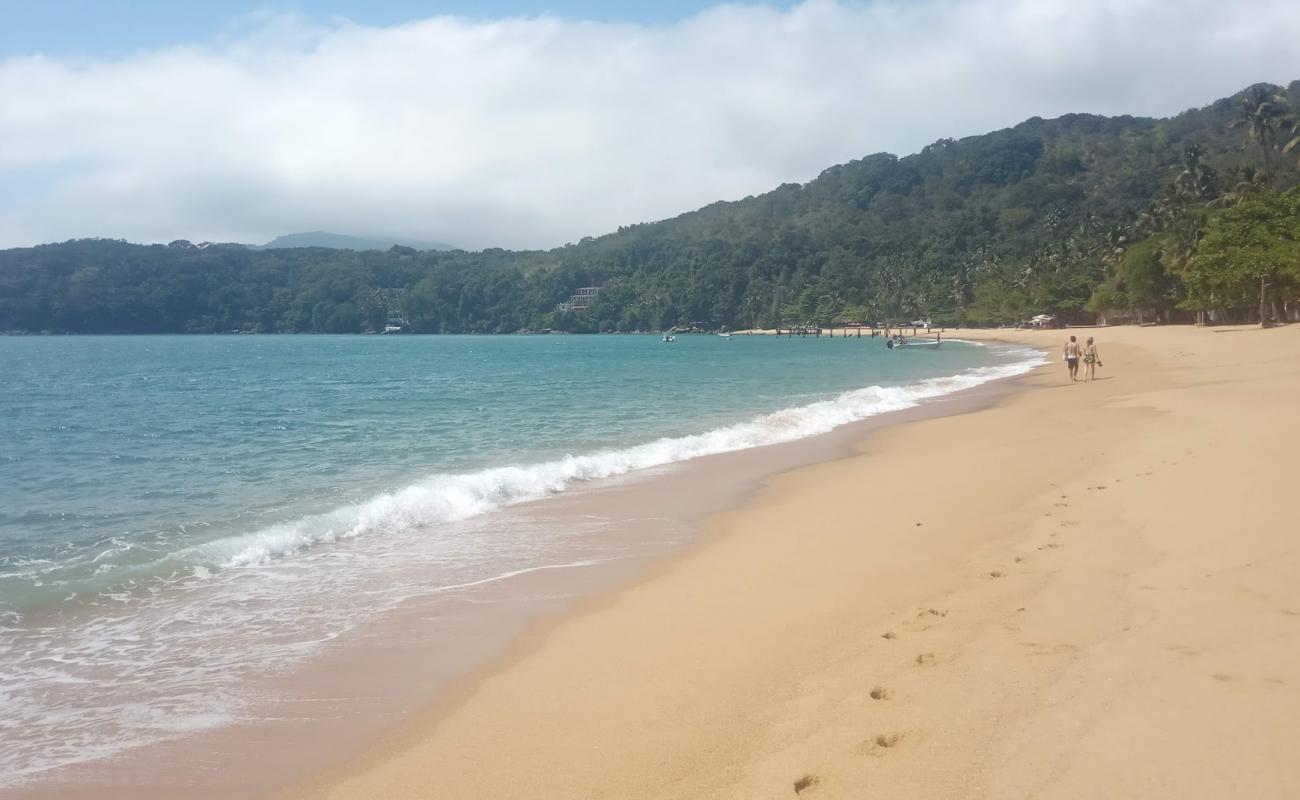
(339, 241)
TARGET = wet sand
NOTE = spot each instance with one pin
(1087, 590)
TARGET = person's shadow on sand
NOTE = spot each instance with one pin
(1081, 380)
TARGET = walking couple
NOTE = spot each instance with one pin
(1090, 359)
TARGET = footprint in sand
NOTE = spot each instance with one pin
(805, 783)
(1044, 649)
(925, 659)
(888, 635)
(995, 574)
(879, 744)
(880, 693)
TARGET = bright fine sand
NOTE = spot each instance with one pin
(1085, 591)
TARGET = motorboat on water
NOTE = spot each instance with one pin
(668, 337)
(901, 341)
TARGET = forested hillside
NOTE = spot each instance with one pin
(1076, 216)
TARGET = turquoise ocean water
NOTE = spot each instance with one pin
(176, 511)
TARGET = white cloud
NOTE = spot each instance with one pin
(533, 132)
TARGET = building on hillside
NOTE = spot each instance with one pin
(580, 299)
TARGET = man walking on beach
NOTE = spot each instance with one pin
(1072, 358)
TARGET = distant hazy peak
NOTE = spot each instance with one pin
(338, 241)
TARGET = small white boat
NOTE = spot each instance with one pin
(668, 337)
(725, 335)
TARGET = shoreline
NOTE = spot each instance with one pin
(757, 466)
(366, 687)
(752, 665)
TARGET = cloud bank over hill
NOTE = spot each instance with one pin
(532, 132)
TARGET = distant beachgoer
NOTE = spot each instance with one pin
(1072, 358)
(1091, 360)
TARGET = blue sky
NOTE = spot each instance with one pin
(113, 28)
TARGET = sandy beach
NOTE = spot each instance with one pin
(1087, 590)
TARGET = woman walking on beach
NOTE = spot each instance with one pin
(1091, 360)
(1072, 358)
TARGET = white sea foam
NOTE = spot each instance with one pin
(454, 497)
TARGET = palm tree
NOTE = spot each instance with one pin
(1196, 180)
(1262, 113)
(1247, 183)
(1164, 211)
(1295, 138)
(1113, 245)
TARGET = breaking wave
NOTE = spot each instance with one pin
(453, 497)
